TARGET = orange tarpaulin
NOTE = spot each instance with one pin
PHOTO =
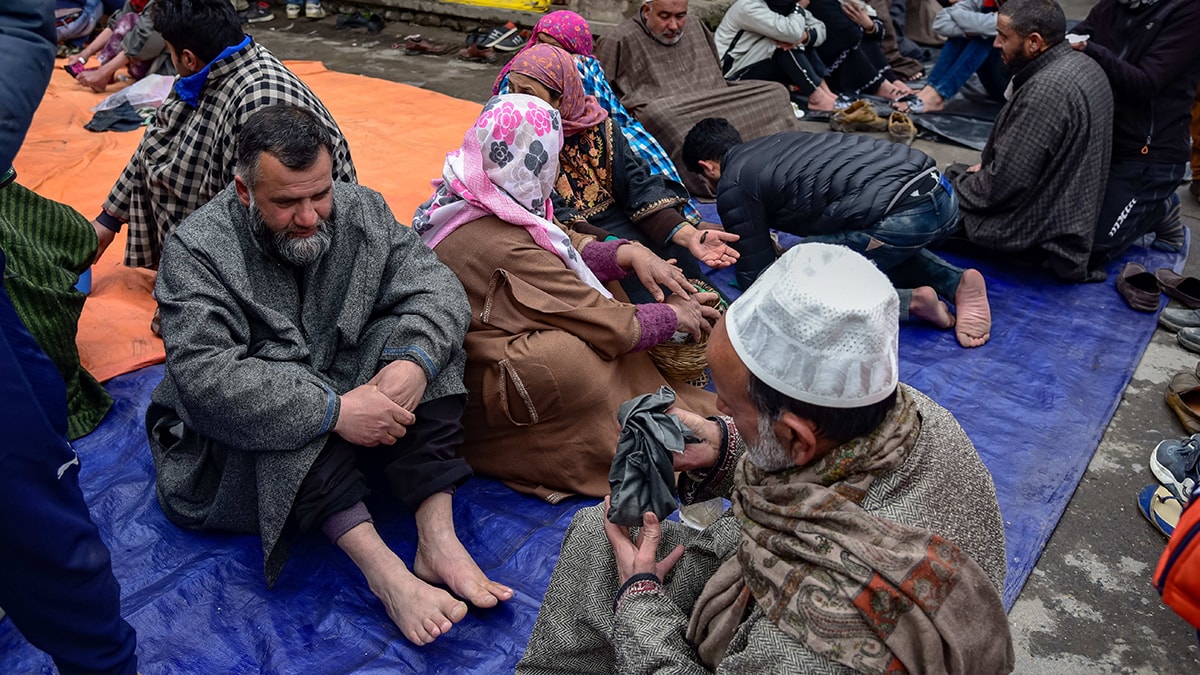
(398, 134)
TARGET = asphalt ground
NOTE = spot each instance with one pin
(1089, 606)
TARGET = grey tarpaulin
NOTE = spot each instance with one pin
(642, 477)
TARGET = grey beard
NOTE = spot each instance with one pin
(294, 251)
(768, 453)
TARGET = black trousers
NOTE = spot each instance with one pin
(1135, 202)
(796, 67)
(423, 462)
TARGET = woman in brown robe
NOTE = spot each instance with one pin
(551, 354)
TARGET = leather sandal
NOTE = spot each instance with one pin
(901, 128)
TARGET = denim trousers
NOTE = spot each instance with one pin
(897, 245)
(962, 57)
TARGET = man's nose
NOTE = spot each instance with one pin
(306, 215)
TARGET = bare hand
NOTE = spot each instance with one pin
(369, 418)
(711, 247)
(702, 455)
(639, 557)
(403, 382)
(94, 80)
(803, 3)
(104, 237)
(653, 271)
(858, 15)
(693, 316)
(1079, 46)
(974, 168)
(788, 46)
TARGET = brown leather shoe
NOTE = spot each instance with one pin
(860, 116)
(477, 54)
(1183, 398)
(1139, 288)
(415, 44)
(1183, 289)
(901, 128)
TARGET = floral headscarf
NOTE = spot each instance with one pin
(556, 70)
(506, 167)
(568, 28)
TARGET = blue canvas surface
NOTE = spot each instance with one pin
(1035, 400)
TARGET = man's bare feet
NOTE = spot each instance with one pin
(422, 612)
(441, 558)
(973, 325)
(821, 99)
(933, 101)
(926, 305)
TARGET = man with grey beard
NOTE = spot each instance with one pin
(304, 327)
(864, 533)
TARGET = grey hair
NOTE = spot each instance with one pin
(291, 134)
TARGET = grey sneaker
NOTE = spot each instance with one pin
(1173, 463)
(1177, 319)
(1189, 339)
(255, 14)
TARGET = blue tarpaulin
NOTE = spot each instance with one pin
(1036, 400)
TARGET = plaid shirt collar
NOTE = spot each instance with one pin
(189, 87)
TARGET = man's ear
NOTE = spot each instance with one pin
(709, 168)
(189, 59)
(1037, 44)
(799, 438)
(243, 190)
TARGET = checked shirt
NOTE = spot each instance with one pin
(187, 155)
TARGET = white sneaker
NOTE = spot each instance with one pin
(314, 11)
(293, 11)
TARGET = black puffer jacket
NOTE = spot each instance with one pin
(808, 184)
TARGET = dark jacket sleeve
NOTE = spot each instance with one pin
(740, 205)
(1173, 52)
(649, 200)
(27, 51)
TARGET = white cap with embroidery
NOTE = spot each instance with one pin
(821, 325)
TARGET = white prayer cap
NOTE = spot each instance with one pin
(821, 325)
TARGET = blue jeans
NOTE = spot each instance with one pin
(897, 245)
(963, 57)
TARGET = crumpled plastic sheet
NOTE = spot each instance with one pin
(1035, 400)
(200, 604)
(1038, 396)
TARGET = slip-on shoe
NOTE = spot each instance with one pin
(1176, 319)
(1183, 398)
(1183, 289)
(1139, 288)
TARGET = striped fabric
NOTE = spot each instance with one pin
(48, 244)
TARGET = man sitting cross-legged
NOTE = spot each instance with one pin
(303, 327)
(884, 200)
(844, 550)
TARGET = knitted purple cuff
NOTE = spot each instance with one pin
(658, 323)
(343, 521)
(601, 258)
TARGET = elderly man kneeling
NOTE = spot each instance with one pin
(844, 549)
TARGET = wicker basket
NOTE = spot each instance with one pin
(685, 361)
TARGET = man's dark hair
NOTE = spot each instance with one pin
(1044, 17)
(203, 27)
(291, 134)
(834, 424)
(709, 140)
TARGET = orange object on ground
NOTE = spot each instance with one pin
(399, 136)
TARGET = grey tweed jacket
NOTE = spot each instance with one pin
(259, 351)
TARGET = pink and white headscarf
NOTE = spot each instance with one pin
(506, 167)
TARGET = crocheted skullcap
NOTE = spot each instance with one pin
(821, 325)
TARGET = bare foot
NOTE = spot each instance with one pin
(926, 305)
(423, 613)
(933, 101)
(821, 100)
(974, 322)
(441, 559)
